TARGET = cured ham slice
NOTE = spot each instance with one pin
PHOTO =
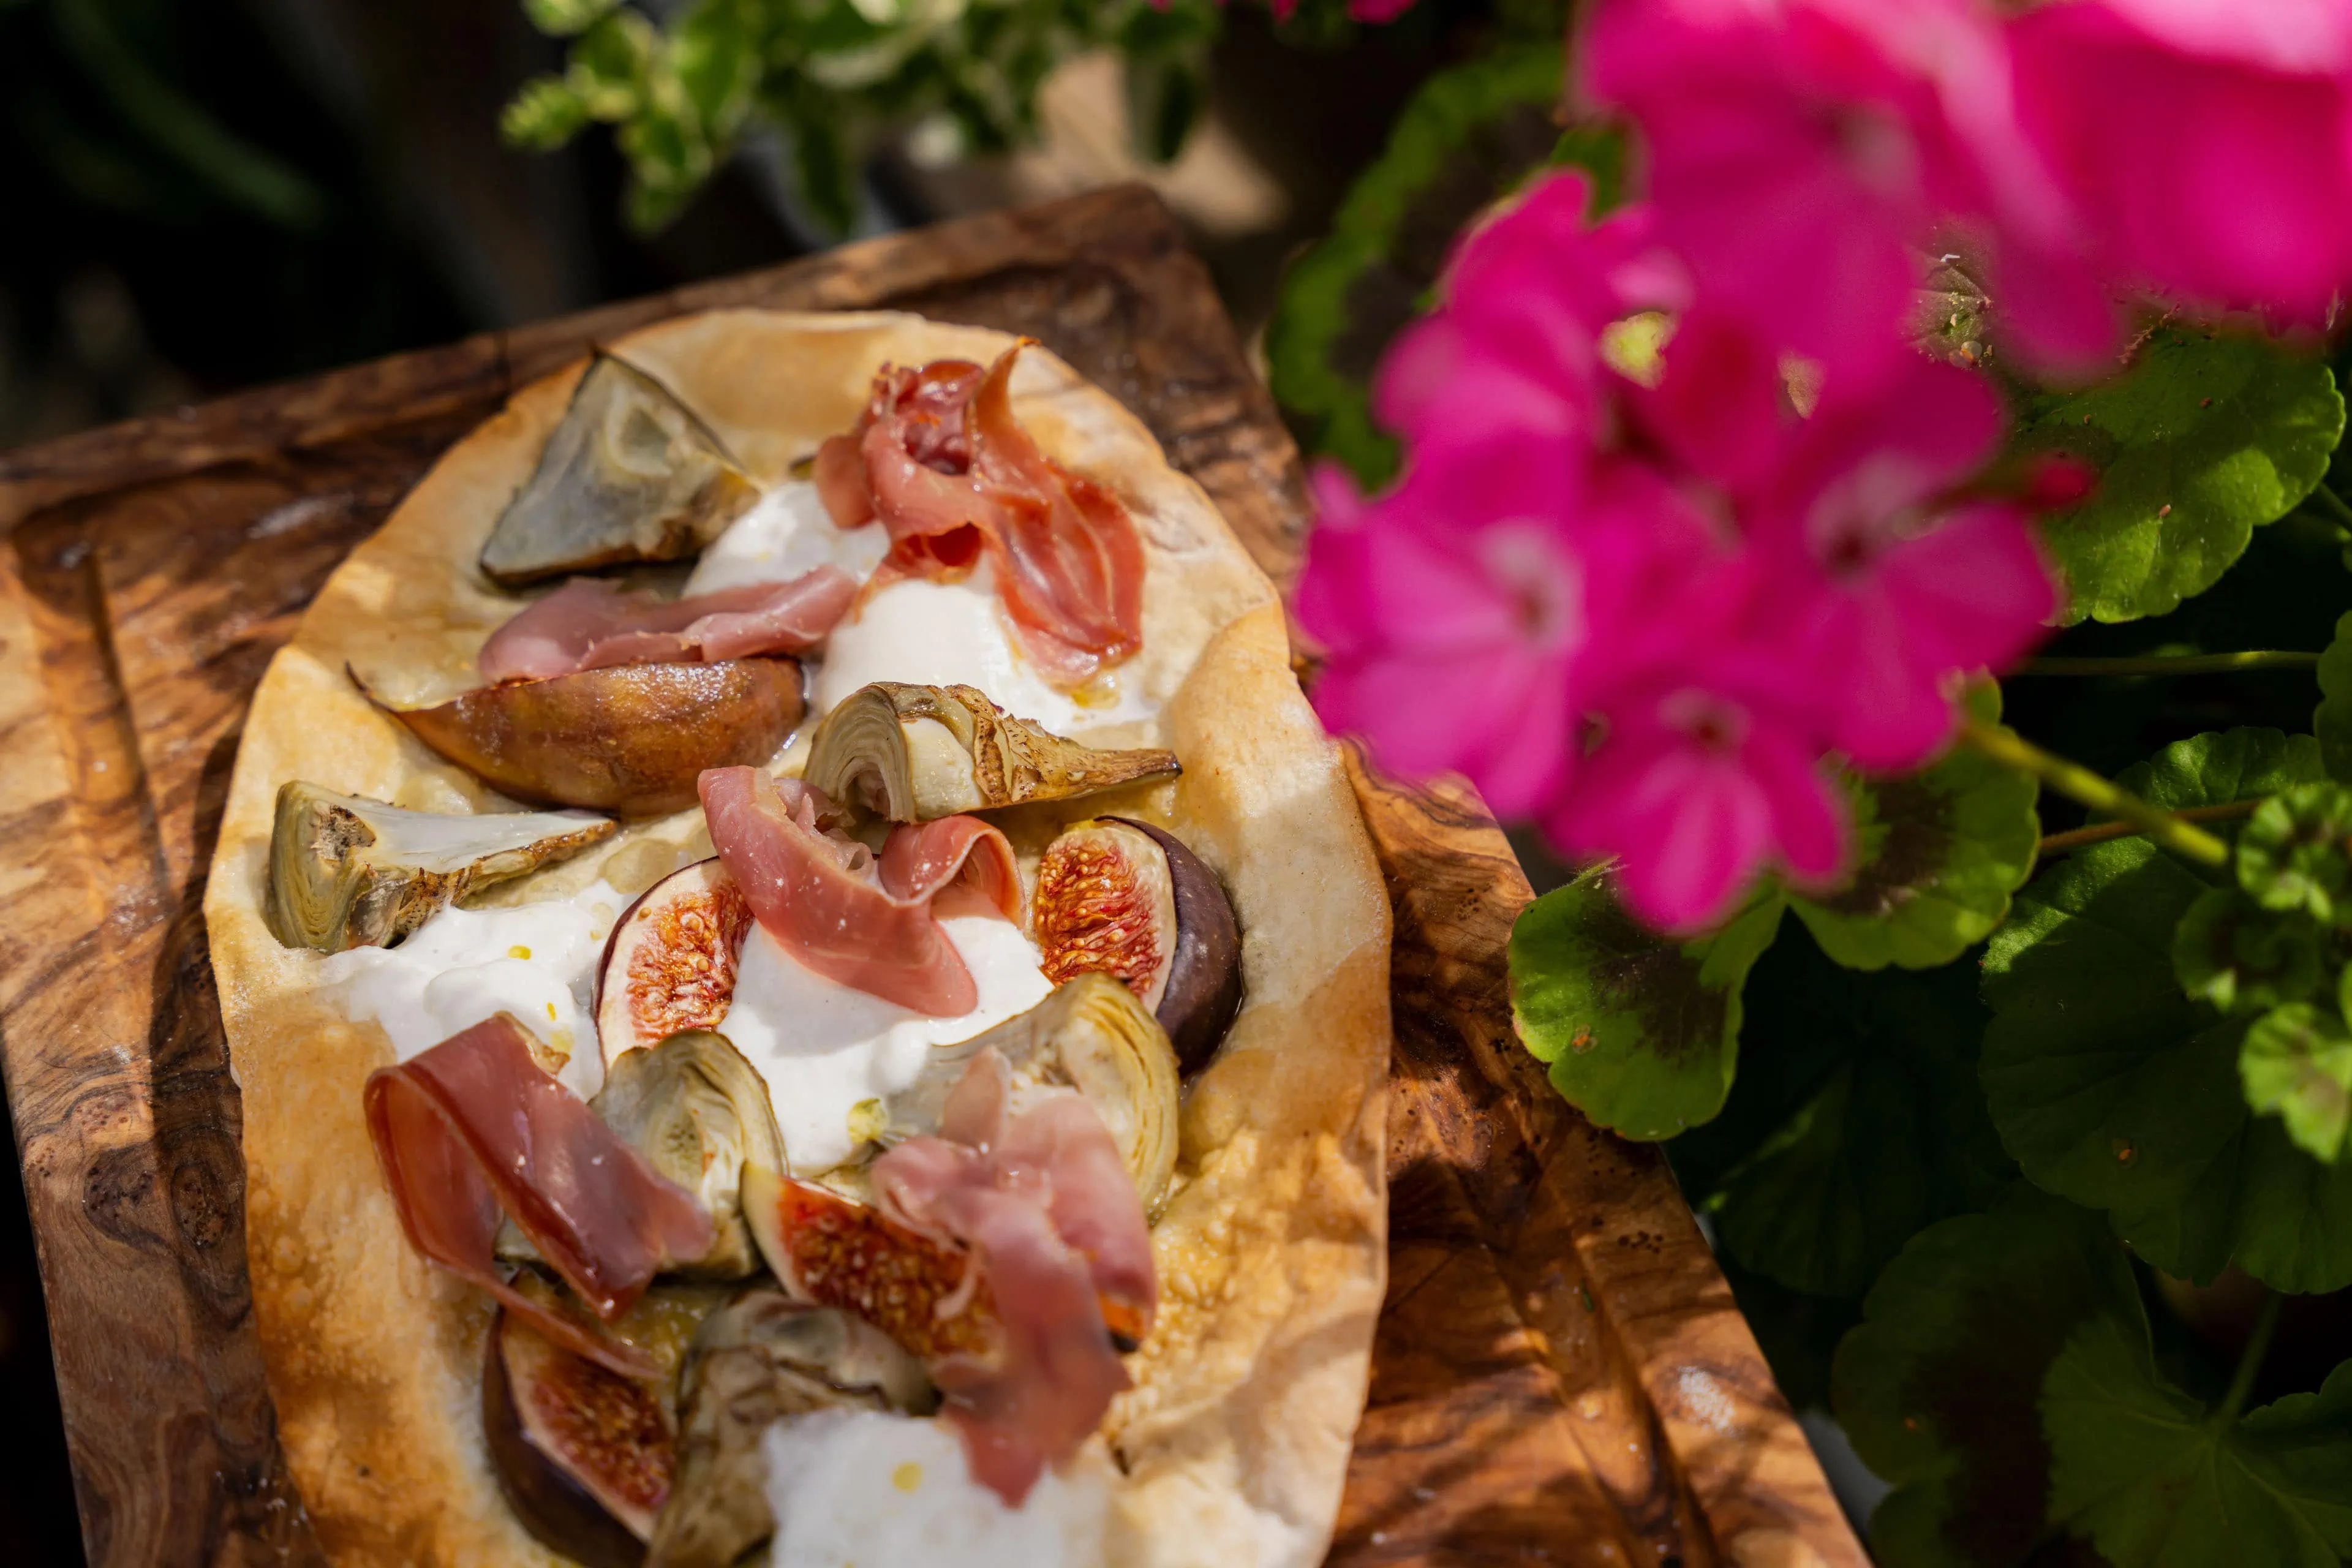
(822, 897)
(474, 1127)
(1010, 1254)
(588, 624)
(940, 458)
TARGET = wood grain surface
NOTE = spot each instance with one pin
(1560, 1374)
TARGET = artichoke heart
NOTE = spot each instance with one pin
(629, 474)
(1091, 1036)
(761, 1358)
(916, 754)
(346, 871)
(700, 1114)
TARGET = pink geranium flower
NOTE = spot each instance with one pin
(2208, 146)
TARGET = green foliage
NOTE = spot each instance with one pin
(831, 73)
(1470, 134)
(2205, 439)
(2292, 854)
(2155, 1478)
(2112, 1089)
(1856, 1122)
(1641, 1032)
(2332, 721)
(2230, 952)
(1939, 1387)
(2297, 1062)
(1940, 853)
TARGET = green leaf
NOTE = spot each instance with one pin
(2155, 1480)
(2291, 855)
(1470, 134)
(2112, 1088)
(2203, 441)
(2332, 721)
(1882, 1129)
(1940, 853)
(2297, 1062)
(2230, 952)
(545, 114)
(1939, 1387)
(1640, 1031)
(563, 18)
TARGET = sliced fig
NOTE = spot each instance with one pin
(916, 754)
(700, 1115)
(346, 871)
(630, 738)
(761, 1358)
(1126, 899)
(1092, 1034)
(583, 1454)
(630, 473)
(670, 962)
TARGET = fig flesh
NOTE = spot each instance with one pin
(670, 962)
(700, 1115)
(346, 871)
(583, 1454)
(630, 473)
(761, 1358)
(916, 754)
(1091, 1034)
(630, 738)
(1126, 899)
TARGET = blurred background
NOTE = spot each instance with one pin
(206, 195)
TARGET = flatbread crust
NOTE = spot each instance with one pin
(1232, 1448)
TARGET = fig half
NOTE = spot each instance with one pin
(1126, 899)
(630, 473)
(671, 961)
(583, 1454)
(916, 754)
(700, 1114)
(1091, 1034)
(761, 1358)
(346, 871)
(630, 738)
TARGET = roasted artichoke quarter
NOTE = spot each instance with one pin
(346, 871)
(700, 1114)
(630, 473)
(916, 754)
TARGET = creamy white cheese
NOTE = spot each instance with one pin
(861, 1490)
(826, 1049)
(786, 533)
(535, 961)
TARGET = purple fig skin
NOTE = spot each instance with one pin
(555, 1508)
(1204, 973)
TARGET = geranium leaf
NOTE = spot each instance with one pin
(2332, 721)
(2297, 1062)
(1880, 1130)
(1938, 1388)
(2230, 952)
(1940, 853)
(1470, 134)
(2204, 440)
(1640, 1031)
(2155, 1479)
(2291, 855)
(2112, 1088)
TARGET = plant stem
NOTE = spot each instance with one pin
(2250, 1360)
(2174, 664)
(2078, 782)
(2100, 832)
(2331, 504)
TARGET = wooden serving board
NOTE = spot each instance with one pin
(1560, 1374)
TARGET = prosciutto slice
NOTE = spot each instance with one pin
(1009, 1254)
(588, 624)
(474, 1127)
(1043, 1202)
(940, 458)
(822, 895)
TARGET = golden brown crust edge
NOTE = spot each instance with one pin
(1235, 1443)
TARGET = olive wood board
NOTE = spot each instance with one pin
(1560, 1375)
